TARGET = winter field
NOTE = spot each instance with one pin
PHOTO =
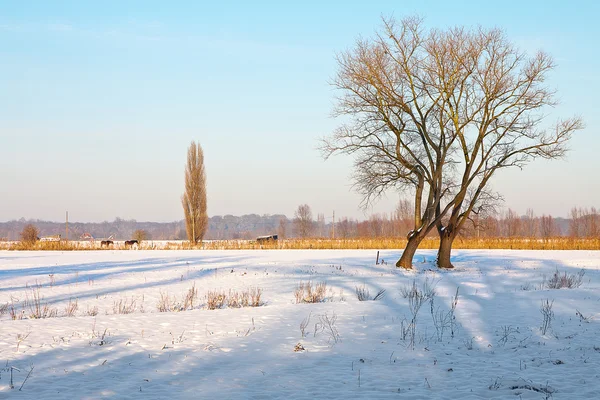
(491, 341)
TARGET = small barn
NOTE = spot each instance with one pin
(267, 238)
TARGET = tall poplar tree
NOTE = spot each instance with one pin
(194, 197)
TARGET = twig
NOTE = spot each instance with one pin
(27, 377)
(12, 386)
(427, 382)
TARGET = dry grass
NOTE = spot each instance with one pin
(215, 299)
(363, 294)
(71, 308)
(62, 245)
(190, 297)
(306, 293)
(565, 280)
(122, 306)
(255, 297)
(167, 303)
(237, 299)
(14, 313)
(389, 243)
(558, 243)
(427, 290)
(36, 308)
(92, 312)
(234, 299)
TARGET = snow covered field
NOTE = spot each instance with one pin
(352, 348)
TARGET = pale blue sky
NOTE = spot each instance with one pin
(99, 101)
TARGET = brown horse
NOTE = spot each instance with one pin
(106, 243)
(129, 243)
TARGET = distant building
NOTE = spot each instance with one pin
(52, 238)
(267, 238)
(86, 236)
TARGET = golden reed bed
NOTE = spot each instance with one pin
(558, 243)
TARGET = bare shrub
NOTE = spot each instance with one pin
(215, 300)
(527, 286)
(190, 297)
(101, 336)
(140, 235)
(468, 343)
(30, 234)
(14, 314)
(507, 332)
(4, 308)
(246, 298)
(299, 293)
(327, 324)
(92, 312)
(565, 280)
(416, 299)
(167, 303)
(164, 303)
(306, 293)
(427, 291)
(71, 308)
(122, 306)
(442, 321)
(547, 315)
(255, 297)
(362, 293)
(238, 299)
(304, 325)
(20, 339)
(36, 308)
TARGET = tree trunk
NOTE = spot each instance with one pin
(412, 245)
(418, 200)
(446, 239)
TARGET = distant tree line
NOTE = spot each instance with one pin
(583, 222)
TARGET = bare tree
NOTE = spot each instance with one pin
(497, 111)
(403, 217)
(584, 222)
(548, 227)
(30, 233)
(194, 198)
(439, 113)
(392, 132)
(530, 224)
(575, 223)
(303, 221)
(321, 224)
(594, 225)
(281, 230)
(140, 235)
(512, 223)
(343, 228)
